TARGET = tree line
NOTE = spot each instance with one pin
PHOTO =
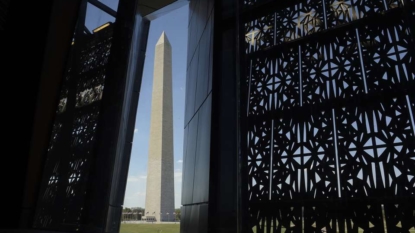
(138, 210)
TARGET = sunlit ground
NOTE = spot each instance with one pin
(150, 228)
(167, 228)
(359, 230)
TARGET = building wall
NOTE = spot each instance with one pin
(195, 190)
(209, 194)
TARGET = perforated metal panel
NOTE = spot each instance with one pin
(329, 115)
(4, 8)
(72, 145)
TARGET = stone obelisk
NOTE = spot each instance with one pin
(160, 169)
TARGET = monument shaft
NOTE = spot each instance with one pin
(160, 170)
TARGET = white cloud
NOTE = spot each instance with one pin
(136, 178)
(135, 130)
(136, 190)
(180, 161)
(178, 176)
(178, 188)
(135, 195)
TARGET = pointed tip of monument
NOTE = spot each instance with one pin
(163, 39)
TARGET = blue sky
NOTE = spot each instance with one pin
(174, 25)
(176, 31)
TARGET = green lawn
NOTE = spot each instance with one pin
(164, 228)
(149, 228)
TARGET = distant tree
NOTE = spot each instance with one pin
(138, 210)
(178, 213)
(134, 212)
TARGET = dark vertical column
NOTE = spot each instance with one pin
(210, 160)
(26, 48)
(223, 205)
(197, 153)
(109, 172)
(242, 95)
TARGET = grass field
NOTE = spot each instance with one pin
(164, 228)
(150, 228)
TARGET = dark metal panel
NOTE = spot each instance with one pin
(113, 217)
(183, 218)
(194, 219)
(166, 9)
(196, 172)
(191, 82)
(192, 41)
(201, 180)
(210, 7)
(223, 164)
(189, 161)
(185, 223)
(209, 28)
(192, 9)
(201, 17)
(202, 71)
(130, 102)
(184, 176)
(203, 218)
(149, 7)
(197, 22)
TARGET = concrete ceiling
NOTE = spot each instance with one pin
(152, 9)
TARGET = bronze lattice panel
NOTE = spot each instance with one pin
(4, 8)
(330, 115)
(72, 145)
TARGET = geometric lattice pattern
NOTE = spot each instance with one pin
(330, 115)
(72, 142)
(4, 8)
(297, 19)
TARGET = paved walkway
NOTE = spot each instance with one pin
(143, 222)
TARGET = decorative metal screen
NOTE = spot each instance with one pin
(330, 115)
(71, 147)
(4, 8)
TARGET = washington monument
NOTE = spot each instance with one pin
(160, 169)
